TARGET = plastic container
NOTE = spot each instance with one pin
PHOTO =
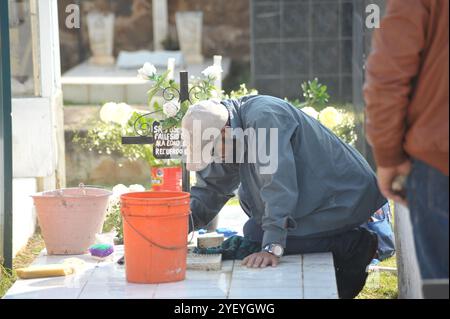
(155, 226)
(70, 218)
(166, 179)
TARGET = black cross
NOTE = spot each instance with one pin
(146, 140)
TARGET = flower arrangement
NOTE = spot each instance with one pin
(113, 221)
(120, 119)
(172, 111)
(316, 105)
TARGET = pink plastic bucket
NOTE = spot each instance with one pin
(70, 218)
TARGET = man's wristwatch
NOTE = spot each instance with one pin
(274, 249)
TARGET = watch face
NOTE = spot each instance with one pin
(278, 250)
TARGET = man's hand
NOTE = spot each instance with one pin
(260, 260)
(386, 177)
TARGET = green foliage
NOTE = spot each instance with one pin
(346, 130)
(6, 280)
(114, 221)
(381, 285)
(106, 138)
(315, 95)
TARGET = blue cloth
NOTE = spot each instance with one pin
(322, 186)
(381, 224)
(226, 232)
(427, 194)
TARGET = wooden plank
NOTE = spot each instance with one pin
(204, 262)
(210, 240)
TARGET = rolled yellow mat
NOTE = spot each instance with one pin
(44, 271)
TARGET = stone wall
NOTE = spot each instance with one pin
(226, 27)
(295, 41)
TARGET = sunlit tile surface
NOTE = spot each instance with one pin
(296, 277)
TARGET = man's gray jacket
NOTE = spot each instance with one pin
(322, 186)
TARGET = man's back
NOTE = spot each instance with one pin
(320, 182)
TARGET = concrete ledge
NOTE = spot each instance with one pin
(409, 280)
(91, 84)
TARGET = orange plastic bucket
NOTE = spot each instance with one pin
(166, 179)
(155, 227)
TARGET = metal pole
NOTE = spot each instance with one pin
(184, 96)
(5, 136)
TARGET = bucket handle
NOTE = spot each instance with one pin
(158, 245)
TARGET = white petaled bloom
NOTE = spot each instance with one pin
(311, 112)
(119, 190)
(122, 114)
(147, 71)
(171, 108)
(116, 113)
(212, 71)
(136, 188)
(106, 113)
(330, 117)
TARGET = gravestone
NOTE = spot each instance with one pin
(101, 37)
(190, 28)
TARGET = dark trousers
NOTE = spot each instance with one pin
(344, 246)
(427, 194)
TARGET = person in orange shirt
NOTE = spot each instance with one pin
(407, 120)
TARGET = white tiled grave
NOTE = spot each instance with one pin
(296, 277)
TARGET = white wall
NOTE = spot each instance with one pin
(24, 217)
(34, 148)
(38, 134)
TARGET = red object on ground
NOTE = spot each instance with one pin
(167, 179)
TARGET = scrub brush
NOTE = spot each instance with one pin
(101, 251)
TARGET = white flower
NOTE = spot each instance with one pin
(119, 190)
(116, 113)
(147, 71)
(311, 112)
(106, 112)
(136, 188)
(330, 117)
(171, 108)
(212, 71)
(123, 114)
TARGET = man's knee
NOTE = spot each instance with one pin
(253, 231)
